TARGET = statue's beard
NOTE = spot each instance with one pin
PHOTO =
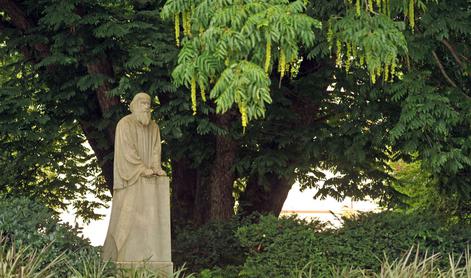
(143, 117)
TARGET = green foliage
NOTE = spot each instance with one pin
(23, 261)
(43, 153)
(222, 46)
(90, 265)
(217, 272)
(434, 125)
(212, 245)
(363, 241)
(279, 246)
(30, 224)
(320, 118)
(286, 247)
(374, 42)
(49, 98)
(408, 265)
(419, 190)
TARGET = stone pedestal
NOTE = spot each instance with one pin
(139, 232)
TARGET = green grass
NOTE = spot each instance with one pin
(25, 262)
(411, 265)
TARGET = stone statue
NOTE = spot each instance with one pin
(139, 229)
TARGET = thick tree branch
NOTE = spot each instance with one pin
(20, 20)
(453, 52)
(18, 17)
(103, 66)
(442, 70)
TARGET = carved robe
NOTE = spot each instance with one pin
(139, 226)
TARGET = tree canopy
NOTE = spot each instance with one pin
(286, 89)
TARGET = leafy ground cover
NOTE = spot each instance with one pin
(388, 244)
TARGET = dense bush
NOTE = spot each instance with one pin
(268, 247)
(277, 247)
(364, 240)
(280, 247)
(212, 245)
(24, 222)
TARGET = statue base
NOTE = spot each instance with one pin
(162, 269)
(139, 231)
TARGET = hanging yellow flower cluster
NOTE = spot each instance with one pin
(243, 113)
(193, 95)
(411, 15)
(386, 7)
(186, 24)
(288, 65)
(387, 71)
(267, 56)
(354, 55)
(282, 63)
(338, 61)
(202, 92)
(177, 29)
(383, 6)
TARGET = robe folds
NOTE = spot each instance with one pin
(137, 148)
(140, 219)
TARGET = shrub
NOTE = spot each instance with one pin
(212, 245)
(364, 240)
(24, 222)
(283, 247)
(277, 247)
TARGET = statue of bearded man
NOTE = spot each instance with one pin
(140, 218)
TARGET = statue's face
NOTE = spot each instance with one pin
(142, 111)
(144, 105)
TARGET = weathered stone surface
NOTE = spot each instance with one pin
(139, 230)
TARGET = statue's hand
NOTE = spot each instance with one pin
(148, 172)
(159, 172)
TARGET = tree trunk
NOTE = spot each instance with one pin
(106, 109)
(265, 195)
(221, 178)
(102, 66)
(101, 145)
(184, 187)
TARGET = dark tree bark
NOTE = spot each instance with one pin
(266, 195)
(107, 110)
(103, 153)
(222, 176)
(101, 145)
(184, 186)
(19, 19)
